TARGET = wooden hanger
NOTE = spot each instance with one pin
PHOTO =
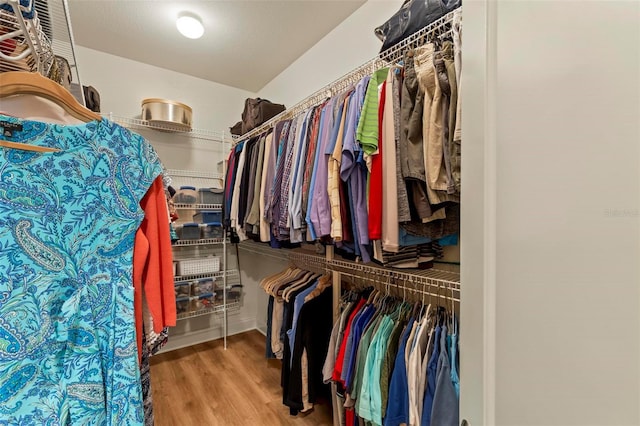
(27, 147)
(29, 83)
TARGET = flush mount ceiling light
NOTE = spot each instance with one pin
(190, 25)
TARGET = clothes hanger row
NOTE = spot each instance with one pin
(13, 83)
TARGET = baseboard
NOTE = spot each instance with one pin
(262, 330)
(207, 335)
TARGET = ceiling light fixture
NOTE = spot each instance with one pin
(190, 25)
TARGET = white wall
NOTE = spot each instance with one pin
(122, 84)
(348, 46)
(551, 202)
(254, 269)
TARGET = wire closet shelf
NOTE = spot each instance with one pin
(198, 134)
(429, 282)
(215, 309)
(24, 44)
(436, 30)
(36, 36)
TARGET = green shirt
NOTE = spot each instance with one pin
(389, 362)
(367, 133)
(361, 359)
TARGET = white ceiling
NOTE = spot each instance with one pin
(246, 43)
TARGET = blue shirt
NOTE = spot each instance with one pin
(356, 331)
(350, 147)
(297, 307)
(398, 402)
(331, 145)
(69, 218)
(432, 368)
(312, 186)
(295, 199)
(320, 208)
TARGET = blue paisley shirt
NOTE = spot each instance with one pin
(67, 225)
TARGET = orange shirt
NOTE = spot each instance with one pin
(153, 263)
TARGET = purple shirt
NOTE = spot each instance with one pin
(353, 173)
(320, 209)
(349, 144)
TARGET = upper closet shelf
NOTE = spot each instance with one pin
(436, 30)
(201, 134)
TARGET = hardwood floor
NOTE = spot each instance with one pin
(205, 385)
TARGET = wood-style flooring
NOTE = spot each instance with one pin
(205, 385)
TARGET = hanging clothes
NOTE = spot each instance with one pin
(373, 170)
(385, 357)
(298, 330)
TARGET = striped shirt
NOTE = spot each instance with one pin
(274, 211)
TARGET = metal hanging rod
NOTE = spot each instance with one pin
(427, 277)
(415, 288)
(438, 28)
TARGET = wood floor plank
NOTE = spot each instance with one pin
(205, 385)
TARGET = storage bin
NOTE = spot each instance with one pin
(175, 115)
(189, 231)
(205, 265)
(201, 287)
(183, 305)
(203, 301)
(182, 290)
(185, 216)
(210, 196)
(234, 293)
(212, 230)
(186, 195)
(207, 216)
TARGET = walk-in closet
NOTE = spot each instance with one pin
(354, 212)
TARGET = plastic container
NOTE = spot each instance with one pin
(183, 305)
(189, 231)
(210, 196)
(186, 195)
(204, 286)
(185, 215)
(204, 301)
(234, 293)
(182, 290)
(207, 216)
(212, 230)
